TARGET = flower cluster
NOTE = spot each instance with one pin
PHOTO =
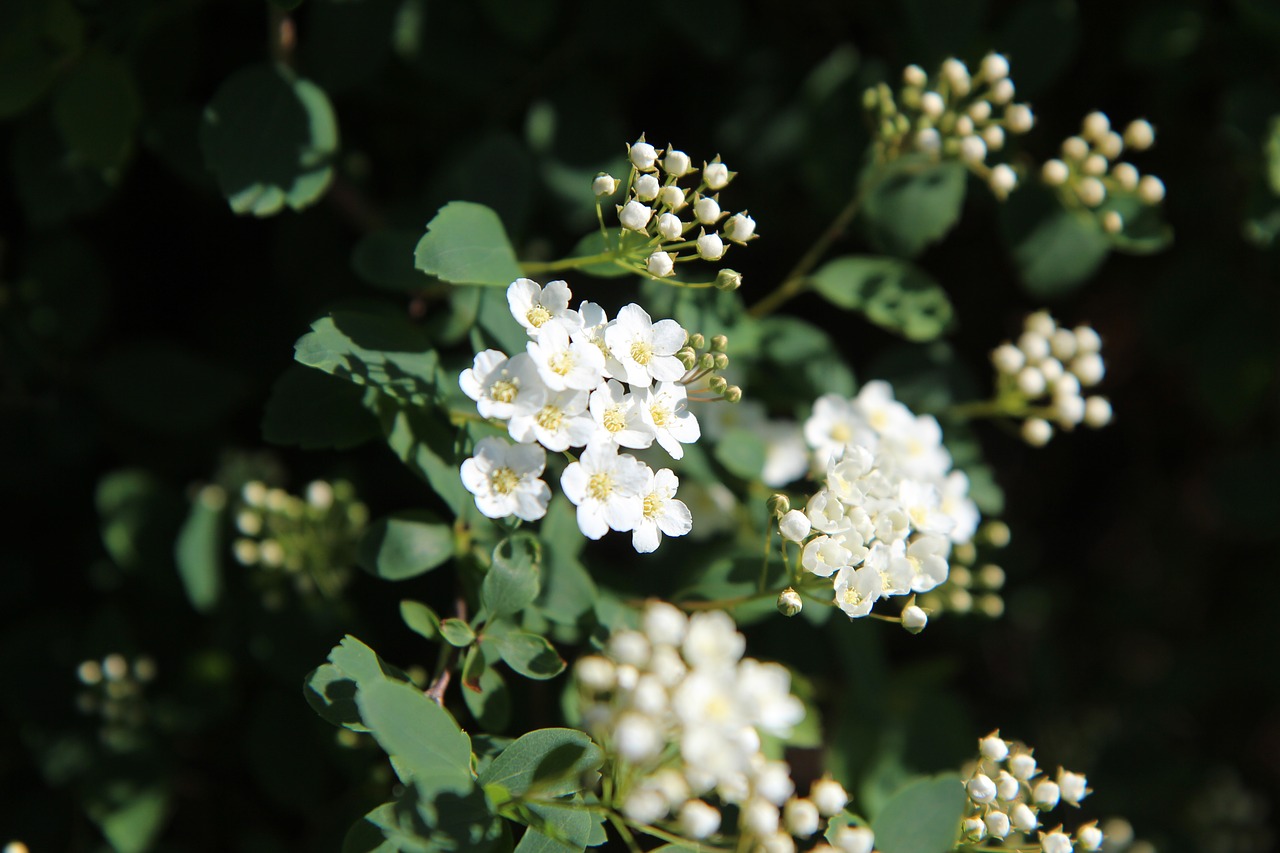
(1089, 171)
(113, 690)
(1008, 794)
(657, 207)
(1039, 378)
(971, 587)
(311, 538)
(600, 384)
(955, 115)
(680, 713)
(891, 506)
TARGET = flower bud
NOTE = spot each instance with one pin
(855, 839)
(957, 75)
(1139, 135)
(1069, 410)
(929, 140)
(687, 357)
(698, 819)
(1150, 189)
(740, 228)
(1112, 222)
(1073, 787)
(794, 525)
(707, 361)
(1055, 173)
(706, 210)
(1055, 842)
(733, 394)
(779, 504)
(1036, 432)
(1046, 794)
(1097, 412)
(1018, 118)
(973, 150)
(1003, 180)
(717, 384)
(1075, 148)
(634, 216)
(716, 175)
(642, 155)
(1002, 92)
(974, 828)
(1089, 837)
(1111, 145)
(997, 824)
(1031, 382)
(1095, 165)
(595, 673)
(647, 187)
(993, 747)
(722, 361)
(913, 75)
(710, 247)
(993, 135)
(914, 619)
(800, 816)
(932, 105)
(981, 789)
(728, 279)
(670, 227)
(1022, 765)
(829, 796)
(672, 196)
(1023, 818)
(1126, 176)
(1008, 359)
(1089, 368)
(604, 184)
(1094, 126)
(1091, 192)
(994, 67)
(1007, 787)
(963, 126)
(677, 163)
(661, 264)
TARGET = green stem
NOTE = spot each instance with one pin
(624, 831)
(535, 267)
(672, 838)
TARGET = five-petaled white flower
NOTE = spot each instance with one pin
(497, 383)
(534, 306)
(606, 487)
(558, 420)
(662, 512)
(665, 408)
(563, 363)
(504, 479)
(645, 349)
(857, 590)
(617, 417)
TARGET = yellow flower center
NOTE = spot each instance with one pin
(879, 420)
(851, 596)
(841, 433)
(504, 480)
(504, 390)
(549, 418)
(561, 363)
(600, 485)
(641, 352)
(661, 415)
(652, 506)
(537, 316)
(614, 419)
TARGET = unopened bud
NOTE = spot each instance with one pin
(718, 343)
(779, 504)
(604, 184)
(728, 279)
(996, 533)
(722, 361)
(687, 357)
(717, 384)
(914, 619)
(697, 340)
(789, 602)
(733, 394)
(794, 526)
(707, 361)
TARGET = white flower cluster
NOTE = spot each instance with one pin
(655, 201)
(1008, 794)
(585, 381)
(1089, 171)
(891, 507)
(1042, 374)
(680, 711)
(955, 114)
(114, 691)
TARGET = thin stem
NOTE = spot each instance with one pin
(440, 681)
(672, 838)
(724, 603)
(624, 831)
(764, 566)
(535, 267)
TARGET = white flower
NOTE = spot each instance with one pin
(712, 640)
(647, 188)
(558, 421)
(716, 175)
(677, 163)
(928, 558)
(794, 526)
(889, 561)
(634, 216)
(534, 306)
(826, 555)
(662, 512)
(665, 409)
(706, 210)
(740, 228)
(661, 264)
(562, 363)
(604, 184)
(710, 246)
(664, 624)
(606, 488)
(636, 737)
(642, 155)
(698, 819)
(504, 479)
(497, 383)
(829, 796)
(618, 417)
(857, 590)
(835, 424)
(645, 349)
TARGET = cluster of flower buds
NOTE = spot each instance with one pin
(1090, 171)
(970, 587)
(657, 207)
(113, 690)
(600, 384)
(1008, 795)
(1039, 378)
(680, 712)
(953, 115)
(311, 539)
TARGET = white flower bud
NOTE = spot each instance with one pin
(1066, 385)
(1075, 148)
(629, 647)
(760, 817)
(249, 522)
(1097, 412)
(634, 216)
(1046, 794)
(740, 228)
(1111, 145)
(1095, 165)
(1023, 766)
(710, 247)
(932, 105)
(957, 75)
(647, 188)
(995, 67)
(979, 111)
(1018, 118)
(1150, 189)
(773, 780)
(964, 126)
(698, 819)
(670, 226)
(1055, 842)
(794, 525)
(1034, 341)
(1069, 409)
(997, 824)
(855, 839)
(1089, 837)
(672, 196)
(974, 828)
(1051, 369)
(928, 140)
(1007, 787)
(271, 553)
(981, 789)
(664, 624)
(604, 185)
(661, 264)
(913, 75)
(637, 737)
(993, 747)
(1003, 180)
(245, 551)
(973, 150)
(777, 843)
(801, 817)
(1139, 135)
(642, 155)
(1091, 192)
(1094, 126)
(707, 210)
(1036, 432)
(1073, 787)
(1055, 173)
(1023, 818)
(677, 163)
(789, 602)
(1112, 222)
(1031, 382)
(1126, 176)
(1007, 358)
(1087, 340)
(628, 676)
(1088, 368)
(644, 805)
(993, 135)
(596, 673)
(716, 175)
(89, 672)
(829, 796)
(1002, 92)
(914, 619)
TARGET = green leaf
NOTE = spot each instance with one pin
(457, 633)
(404, 545)
(385, 259)
(893, 294)
(548, 762)
(313, 411)
(421, 735)
(270, 138)
(96, 109)
(425, 444)
(531, 655)
(923, 817)
(912, 202)
(198, 551)
(420, 618)
(466, 244)
(331, 688)
(474, 667)
(386, 353)
(133, 824)
(512, 582)
(568, 591)
(490, 704)
(565, 826)
(1055, 250)
(741, 452)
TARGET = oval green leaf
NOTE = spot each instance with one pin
(466, 244)
(552, 762)
(912, 202)
(512, 582)
(923, 817)
(892, 293)
(404, 545)
(531, 655)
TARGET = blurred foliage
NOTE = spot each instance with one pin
(147, 336)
